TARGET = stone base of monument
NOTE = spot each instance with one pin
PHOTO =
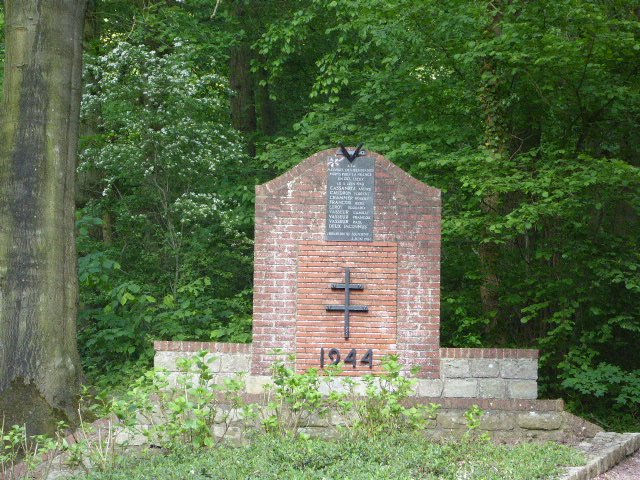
(502, 382)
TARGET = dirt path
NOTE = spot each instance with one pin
(628, 469)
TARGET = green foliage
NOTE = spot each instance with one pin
(165, 249)
(431, 85)
(17, 447)
(294, 398)
(526, 118)
(94, 448)
(389, 457)
(164, 232)
(473, 416)
(189, 413)
(382, 408)
(122, 332)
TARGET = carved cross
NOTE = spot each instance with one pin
(347, 307)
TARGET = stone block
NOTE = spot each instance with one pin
(325, 433)
(217, 362)
(497, 421)
(178, 378)
(429, 388)
(232, 434)
(255, 383)
(229, 415)
(508, 437)
(340, 420)
(519, 368)
(130, 437)
(148, 417)
(315, 420)
(339, 386)
(235, 362)
(465, 388)
(167, 360)
(444, 435)
(492, 388)
(540, 421)
(451, 420)
(484, 367)
(557, 436)
(522, 389)
(213, 360)
(455, 368)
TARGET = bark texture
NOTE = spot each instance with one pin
(243, 104)
(39, 362)
(496, 143)
(265, 106)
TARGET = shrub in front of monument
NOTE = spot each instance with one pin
(16, 447)
(297, 402)
(190, 417)
(473, 416)
(94, 446)
(196, 411)
(293, 400)
(383, 406)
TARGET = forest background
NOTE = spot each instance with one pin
(525, 114)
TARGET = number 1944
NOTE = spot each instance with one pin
(333, 357)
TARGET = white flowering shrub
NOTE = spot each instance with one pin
(158, 118)
(170, 201)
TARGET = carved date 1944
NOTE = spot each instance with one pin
(351, 359)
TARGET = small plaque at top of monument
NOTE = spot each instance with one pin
(350, 199)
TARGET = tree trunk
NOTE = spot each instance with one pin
(243, 107)
(266, 108)
(243, 104)
(496, 144)
(107, 229)
(39, 363)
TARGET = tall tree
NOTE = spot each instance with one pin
(39, 363)
(243, 105)
(496, 144)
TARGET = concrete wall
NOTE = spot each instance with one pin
(489, 373)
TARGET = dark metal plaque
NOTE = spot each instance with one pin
(350, 199)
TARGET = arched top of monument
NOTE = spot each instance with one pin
(312, 166)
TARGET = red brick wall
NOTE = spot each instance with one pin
(291, 209)
(373, 264)
(188, 347)
(498, 353)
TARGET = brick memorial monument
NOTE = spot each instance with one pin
(347, 270)
(347, 266)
